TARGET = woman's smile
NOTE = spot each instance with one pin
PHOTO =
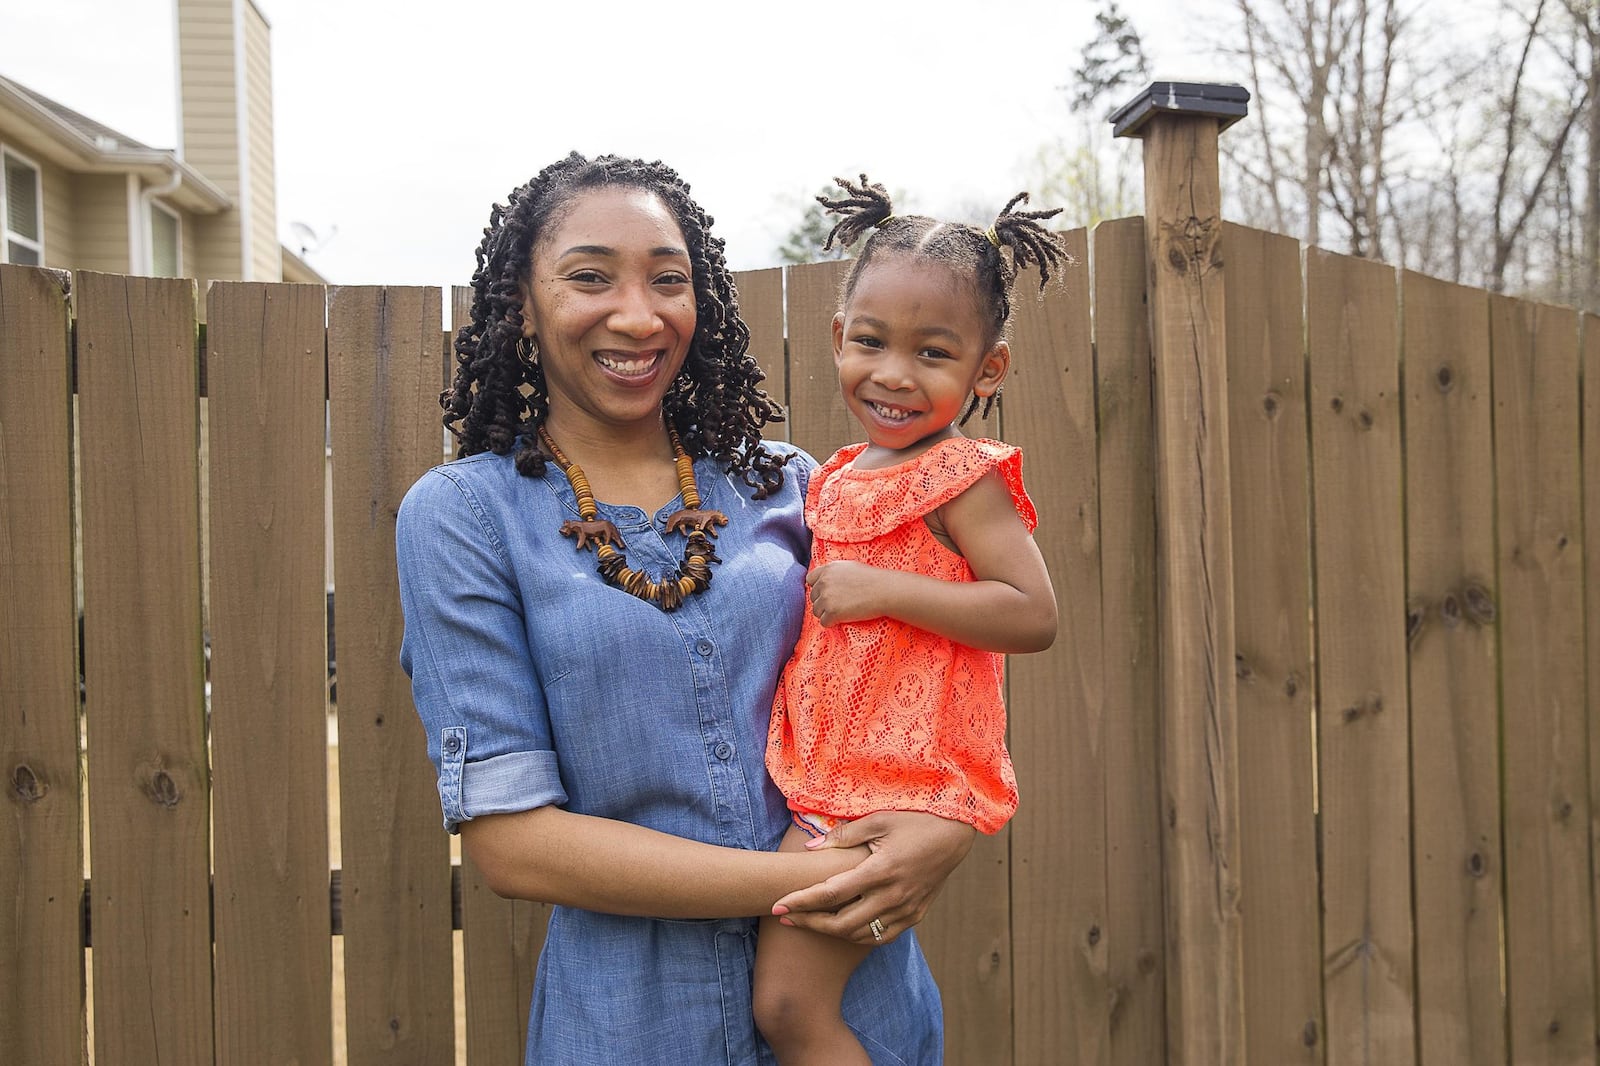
(633, 366)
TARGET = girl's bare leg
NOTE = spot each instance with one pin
(799, 985)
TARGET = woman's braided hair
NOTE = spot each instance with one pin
(966, 250)
(499, 400)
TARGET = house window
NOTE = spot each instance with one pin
(22, 236)
(165, 233)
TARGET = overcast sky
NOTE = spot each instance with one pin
(399, 122)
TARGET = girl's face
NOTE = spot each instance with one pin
(911, 349)
(610, 301)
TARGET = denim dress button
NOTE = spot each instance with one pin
(704, 647)
(723, 750)
(452, 745)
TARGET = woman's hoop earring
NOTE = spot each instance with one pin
(528, 350)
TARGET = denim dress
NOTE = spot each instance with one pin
(537, 683)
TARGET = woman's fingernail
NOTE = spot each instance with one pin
(779, 909)
(785, 921)
(815, 842)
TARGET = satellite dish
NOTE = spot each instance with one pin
(308, 238)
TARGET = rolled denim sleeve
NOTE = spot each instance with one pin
(465, 649)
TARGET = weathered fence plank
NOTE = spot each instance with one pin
(967, 934)
(1352, 338)
(1267, 434)
(1450, 605)
(149, 797)
(1549, 938)
(1591, 547)
(269, 730)
(1194, 544)
(1135, 948)
(1057, 697)
(501, 938)
(41, 842)
(819, 422)
(761, 307)
(383, 375)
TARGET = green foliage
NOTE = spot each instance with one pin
(1113, 62)
(1087, 175)
(803, 244)
(1076, 178)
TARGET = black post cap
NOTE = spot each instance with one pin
(1227, 103)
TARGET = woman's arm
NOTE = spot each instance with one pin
(890, 866)
(555, 856)
(1008, 607)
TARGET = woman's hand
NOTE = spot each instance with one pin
(911, 855)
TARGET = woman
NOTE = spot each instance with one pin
(599, 596)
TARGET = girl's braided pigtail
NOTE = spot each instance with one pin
(865, 207)
(1029, 242)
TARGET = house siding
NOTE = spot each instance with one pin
(266, 253)
(100, 207)
(186, 241)
(208, 85)
(60, 238)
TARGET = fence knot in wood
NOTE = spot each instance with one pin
(1369, 706)
(159, 786)
(1471, 603)
(26, 784)
(1479, 603)
(1192, 245)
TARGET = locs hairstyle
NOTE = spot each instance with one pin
(714, 403)
(966, 250)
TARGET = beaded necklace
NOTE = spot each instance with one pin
(698, 555)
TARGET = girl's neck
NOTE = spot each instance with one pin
(877, 457)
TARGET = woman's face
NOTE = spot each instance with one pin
(611, 304)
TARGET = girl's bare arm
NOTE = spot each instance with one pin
(1009, 607)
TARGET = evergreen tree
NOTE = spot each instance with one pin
(803, 244)
(1113, 63)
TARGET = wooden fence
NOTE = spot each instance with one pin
(1401, 805)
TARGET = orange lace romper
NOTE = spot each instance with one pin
(880, 715)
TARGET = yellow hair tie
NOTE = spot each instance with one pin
(882, 222)
(994, 238)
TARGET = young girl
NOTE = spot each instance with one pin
(923, 574)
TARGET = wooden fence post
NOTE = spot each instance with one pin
(1179, 124)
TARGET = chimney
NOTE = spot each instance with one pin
(225, 132)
